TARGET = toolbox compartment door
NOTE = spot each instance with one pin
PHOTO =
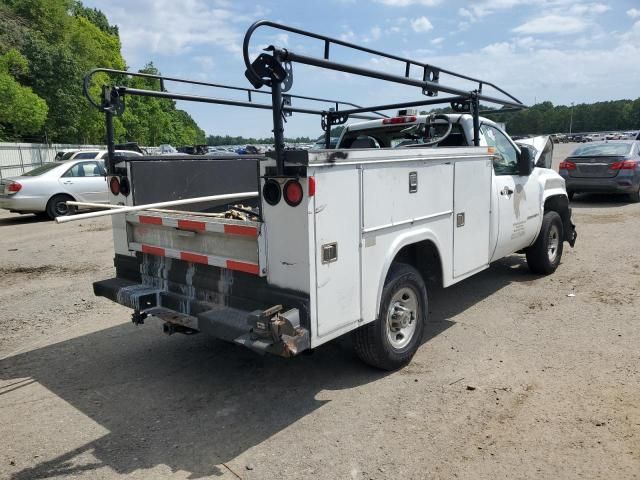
(472, 215)
(337, 224)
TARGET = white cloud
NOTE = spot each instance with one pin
(562, 25)
(463, 12)
(634, 12)
(421, 24)
(588, 8)
(166, 27)
(528, 67)
(483, 8)
(407, 3)
(437, 41)
(348, 36)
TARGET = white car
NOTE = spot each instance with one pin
(46, 189)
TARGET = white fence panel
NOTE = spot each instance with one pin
(18, 158)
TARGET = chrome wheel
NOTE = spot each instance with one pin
(553, 243)
(401, 317)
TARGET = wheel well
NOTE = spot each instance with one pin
(61, 194)
(560, 204)
(423, 256)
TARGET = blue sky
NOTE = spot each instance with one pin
(558, 50)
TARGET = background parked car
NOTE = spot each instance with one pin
(604, 167)
(46, 189)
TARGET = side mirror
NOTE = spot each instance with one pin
(525, 162)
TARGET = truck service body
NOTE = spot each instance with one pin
(337, 240)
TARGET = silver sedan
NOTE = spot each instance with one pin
(46, 189)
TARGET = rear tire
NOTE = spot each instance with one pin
(570, 195)
(635, 197)
(391, 341)
(56, 206)
(544, 255)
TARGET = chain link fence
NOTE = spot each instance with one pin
(18, 158)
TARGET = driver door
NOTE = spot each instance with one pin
(516, 197)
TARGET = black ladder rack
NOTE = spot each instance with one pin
(274, 69)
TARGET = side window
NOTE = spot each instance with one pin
(85, 169)
(505, 160)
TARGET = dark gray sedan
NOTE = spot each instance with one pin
(604, 167)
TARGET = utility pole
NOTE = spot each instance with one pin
(571, 119)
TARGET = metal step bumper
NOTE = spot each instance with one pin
(265, 331)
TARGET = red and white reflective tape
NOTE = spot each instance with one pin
(228, 263)
(195, 225)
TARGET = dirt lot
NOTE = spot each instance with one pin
(519, 377)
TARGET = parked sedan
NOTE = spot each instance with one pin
(46, 189)
(604, 167)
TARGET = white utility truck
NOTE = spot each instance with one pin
(337, 240)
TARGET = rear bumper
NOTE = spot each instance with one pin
(618, 184)
(21, 203)
(192, 298)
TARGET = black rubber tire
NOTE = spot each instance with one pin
(53, 209)
(371, 342)
(570, 195)
(635, 197)
(537, 254)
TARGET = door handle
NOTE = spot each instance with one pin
(68, 182)
(506, 191)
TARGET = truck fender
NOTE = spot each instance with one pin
(556, 199)
(400, 242)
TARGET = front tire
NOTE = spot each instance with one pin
(391, 341)
(57, 207)
(543, 257)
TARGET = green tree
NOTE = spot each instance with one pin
(21, 110)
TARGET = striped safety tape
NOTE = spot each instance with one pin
(195, 225)
(228, 263)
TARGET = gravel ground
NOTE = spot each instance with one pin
(520, 376)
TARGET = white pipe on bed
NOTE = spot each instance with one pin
(185, 201)
(157, 210)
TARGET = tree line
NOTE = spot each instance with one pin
(46, 48)
(545, 118)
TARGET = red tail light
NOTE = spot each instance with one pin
(14, 187)
(391, 121)
(114, 185)
(312, 186)
(624, 165)
(292, 193)
(566, 165)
